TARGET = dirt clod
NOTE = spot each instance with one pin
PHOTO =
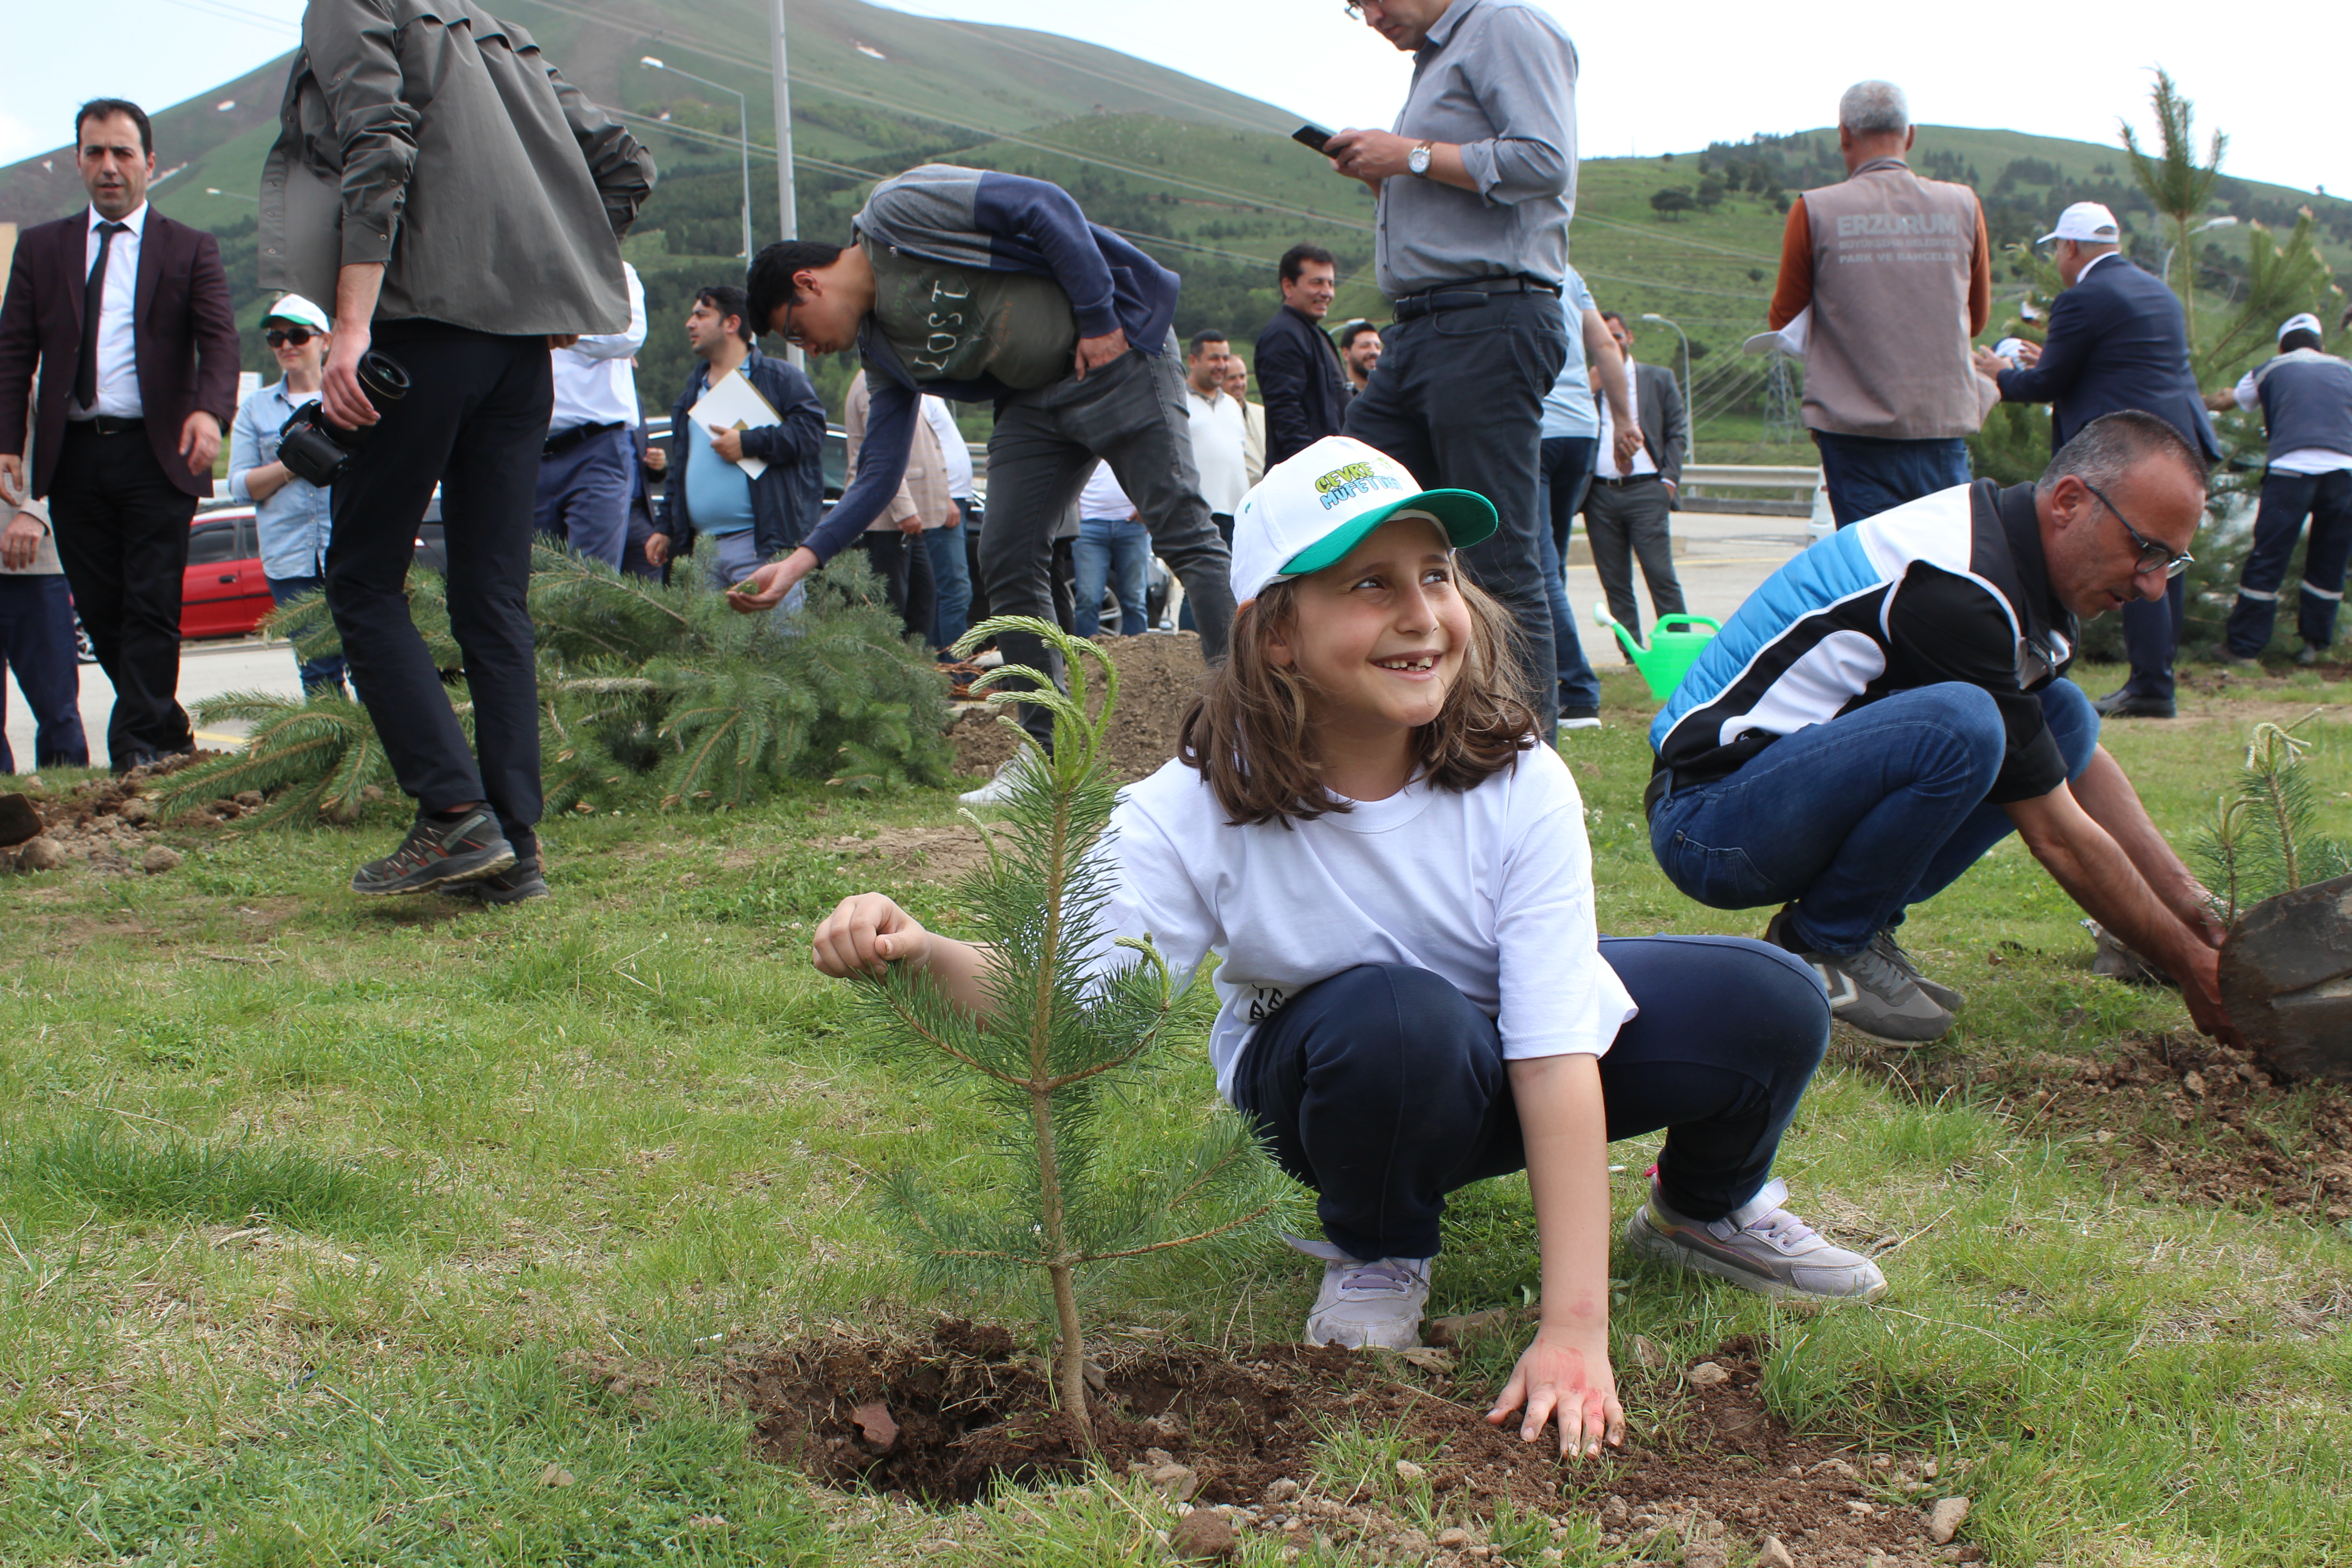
(1771, 1552)
(1157, 678)
(43, 853)
(1202, 1536)
(1706, 1375)
(555, 1476)
(1943, 1521)
(159, 859)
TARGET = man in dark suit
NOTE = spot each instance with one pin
(1298, 370)
(1627, 510)
(127, 315)
(2117, 339)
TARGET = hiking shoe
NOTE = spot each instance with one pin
(998, 790)
(436, 853)
(1579, 718)
(1758, 1246)
(526, 879)
(2306, 656)
(1942, 995)
(1867, 991)
(1366, 1304)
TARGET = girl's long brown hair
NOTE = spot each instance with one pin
(1248, 735)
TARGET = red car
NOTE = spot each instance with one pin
(224, 594)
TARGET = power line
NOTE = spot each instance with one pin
(1674, 238)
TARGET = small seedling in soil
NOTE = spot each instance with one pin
(2262, 839)
(1059, 1037)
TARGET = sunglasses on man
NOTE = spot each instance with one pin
(2155, 555)
(278, 337)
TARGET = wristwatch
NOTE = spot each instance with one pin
(1417, 161)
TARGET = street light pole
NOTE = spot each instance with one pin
(2190, 282)
(787, 202)
(743, 123)
(1653, 316)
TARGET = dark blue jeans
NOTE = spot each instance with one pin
(1116, 551)
(1458, 400)
(1563, 477)
(950, 584)
(323, 674)
(36, 642)
(1869, 474)
(583, 495)
(2152, 638)
(2287, 500)
(1385, 1089)
(1856, 820)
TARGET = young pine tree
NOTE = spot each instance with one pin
(2263, 837)
(1075, 1192)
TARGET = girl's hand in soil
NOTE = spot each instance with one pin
(865, 934)
(1565, 1376)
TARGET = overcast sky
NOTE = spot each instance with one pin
(1655, 77)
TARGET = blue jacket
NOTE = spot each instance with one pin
(787, 500)
(2117, 341)
(1005, 222)
(1301, 383)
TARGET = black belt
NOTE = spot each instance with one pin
(107, 425)
(557, 445)
(1469, 294)
(1628, 479)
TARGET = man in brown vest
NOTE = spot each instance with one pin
(1896, 274)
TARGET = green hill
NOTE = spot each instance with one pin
(1206, 178)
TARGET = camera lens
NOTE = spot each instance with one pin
(382, 377)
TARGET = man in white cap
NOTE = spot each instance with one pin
(2305, 397)
(2117, 341)
(290, 514)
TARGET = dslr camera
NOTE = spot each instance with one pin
(313, 446)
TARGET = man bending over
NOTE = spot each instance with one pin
(1892, 703)
(972, 286)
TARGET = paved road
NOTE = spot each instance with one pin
(1722, 556)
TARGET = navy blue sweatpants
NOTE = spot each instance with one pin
(1383, 1089)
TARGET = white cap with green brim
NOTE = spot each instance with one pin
(297, 311)
(1311, 509)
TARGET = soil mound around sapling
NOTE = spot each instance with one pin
(2194, 1119)
(948, 1420)
(1158, 676)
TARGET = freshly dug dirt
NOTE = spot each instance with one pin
(104, 823)
(923, 854)
(1715, 1472)
(1157, 676)
(2197, 1120)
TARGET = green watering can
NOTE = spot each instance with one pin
(1676, 642)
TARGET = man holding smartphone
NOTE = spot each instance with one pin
(1476, 186)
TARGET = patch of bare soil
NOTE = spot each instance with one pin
(1157, 678)
(923, 854)
(945, 1421)
(104, 823)
(2190, 1118)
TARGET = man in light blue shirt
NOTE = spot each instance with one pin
(289, 513)
(1571, 431)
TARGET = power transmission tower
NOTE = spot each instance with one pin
(1782, 418)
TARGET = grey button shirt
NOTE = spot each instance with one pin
(1498, 77)
(429, 136)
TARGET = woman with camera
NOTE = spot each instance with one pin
(290, 512)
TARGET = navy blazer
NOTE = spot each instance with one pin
(2117, 341)
(1302, 384)
(786, 501)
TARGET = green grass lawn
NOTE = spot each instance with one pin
(344, 1232)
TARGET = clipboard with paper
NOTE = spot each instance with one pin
(734, 404)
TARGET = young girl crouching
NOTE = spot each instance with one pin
(1395, 877)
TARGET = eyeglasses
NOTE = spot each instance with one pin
(2155, 555)
(278, 337)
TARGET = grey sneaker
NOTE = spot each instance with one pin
(437, 853)
(1364, 1304)
(1867, 991)
(2306, 656)
(526, 879)
(1942, 995)
(1759, 1247)
(999, 789)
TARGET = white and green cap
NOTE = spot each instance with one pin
(300, 311)
(1312, 508)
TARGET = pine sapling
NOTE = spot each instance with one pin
(1072, 1011)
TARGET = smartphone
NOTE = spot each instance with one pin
(1314, 138)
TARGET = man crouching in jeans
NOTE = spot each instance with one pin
(461, 204)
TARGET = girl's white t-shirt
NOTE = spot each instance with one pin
(1490, 888)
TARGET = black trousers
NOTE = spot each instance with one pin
(474, 420)
(2152, 638)
(1459, 399)
(903, 562)
(1385, 1089)
(123, 537)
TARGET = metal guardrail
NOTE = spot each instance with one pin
(1704, 484)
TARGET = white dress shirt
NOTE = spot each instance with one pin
(954, 451)
(1607, 469)
(117, 344)
(594, 381)
(1102, 500)
(1220, 453)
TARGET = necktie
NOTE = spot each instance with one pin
(93, 300)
